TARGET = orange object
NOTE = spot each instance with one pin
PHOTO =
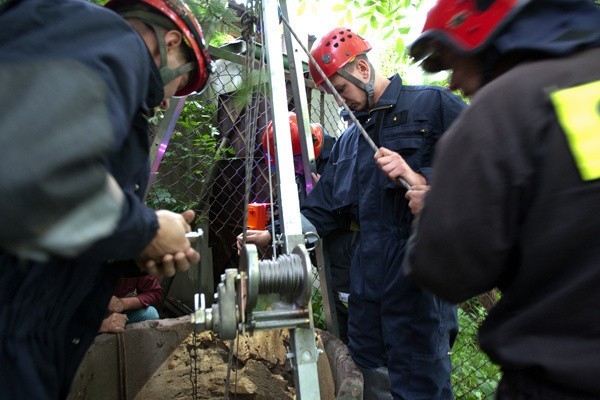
(268, 141)
(257, 216)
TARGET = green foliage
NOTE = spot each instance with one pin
(215, 18)
(386, 17)
(318, 310)
(192, 151)
(474, 376)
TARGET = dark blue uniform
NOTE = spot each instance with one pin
(391, 321)
(514, 206)
(77, 86)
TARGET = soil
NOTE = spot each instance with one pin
(198, 369)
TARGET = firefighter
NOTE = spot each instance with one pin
(515, 194)
(268, 147)
(79, 82)
(262, 237)
(338, 245)
(394, 326)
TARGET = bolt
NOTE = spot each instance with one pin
(306, 356)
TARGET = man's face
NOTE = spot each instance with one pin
(180, 82)
(353, 96)
(465, 73)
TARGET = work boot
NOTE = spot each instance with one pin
(376, 384)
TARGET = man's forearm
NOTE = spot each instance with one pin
(131, 303)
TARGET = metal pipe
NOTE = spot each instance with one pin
(283, 324)
(274, 314)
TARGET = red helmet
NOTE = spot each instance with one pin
(268, 141)
(183, 18)
(466, 26)
(334, 50)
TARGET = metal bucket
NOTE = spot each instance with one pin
(145, 362)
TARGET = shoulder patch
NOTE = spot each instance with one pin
(578, 112)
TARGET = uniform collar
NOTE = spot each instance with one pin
(156, 90)
(387, 100)
(391, 93)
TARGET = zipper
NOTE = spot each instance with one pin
(384, 107)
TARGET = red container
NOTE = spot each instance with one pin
(257, 216)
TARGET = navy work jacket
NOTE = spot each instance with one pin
(78, 86)
(408, 120)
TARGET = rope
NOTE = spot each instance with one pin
(122, 366)
(250, 125)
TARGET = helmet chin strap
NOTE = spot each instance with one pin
(167, 74)
(367, 87)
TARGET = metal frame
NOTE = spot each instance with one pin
(304, 348)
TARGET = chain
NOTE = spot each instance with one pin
(249, 21)
(194, 364)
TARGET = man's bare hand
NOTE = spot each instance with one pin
(259, 238)
(170, 251)
(393, 165)
(416, 197)
(171, 263)
(315, 177)
(116, 305)
(114, 323)
(170, 237)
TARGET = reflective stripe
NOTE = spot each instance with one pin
(94, 219)
(578, 111)
(344, 297)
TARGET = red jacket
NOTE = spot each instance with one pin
(146, 288)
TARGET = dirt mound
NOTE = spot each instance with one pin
(164, 359)
(198, 369)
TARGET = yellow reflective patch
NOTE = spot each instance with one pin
(578, 111)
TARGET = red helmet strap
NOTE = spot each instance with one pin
(367, 87)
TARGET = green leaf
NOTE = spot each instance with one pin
(399, 45)
(373, 22)
(338, 7)
(363, 29)
(349, 17)
(302, 7)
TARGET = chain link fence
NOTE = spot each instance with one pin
(205, 168)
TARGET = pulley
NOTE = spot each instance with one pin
(288, 276)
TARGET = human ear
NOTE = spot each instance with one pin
(173, 39)
(363, 68)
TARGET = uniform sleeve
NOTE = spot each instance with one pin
(324, 208)
(57, 196)
(70, 118)
(149, 291)
(465, 236)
